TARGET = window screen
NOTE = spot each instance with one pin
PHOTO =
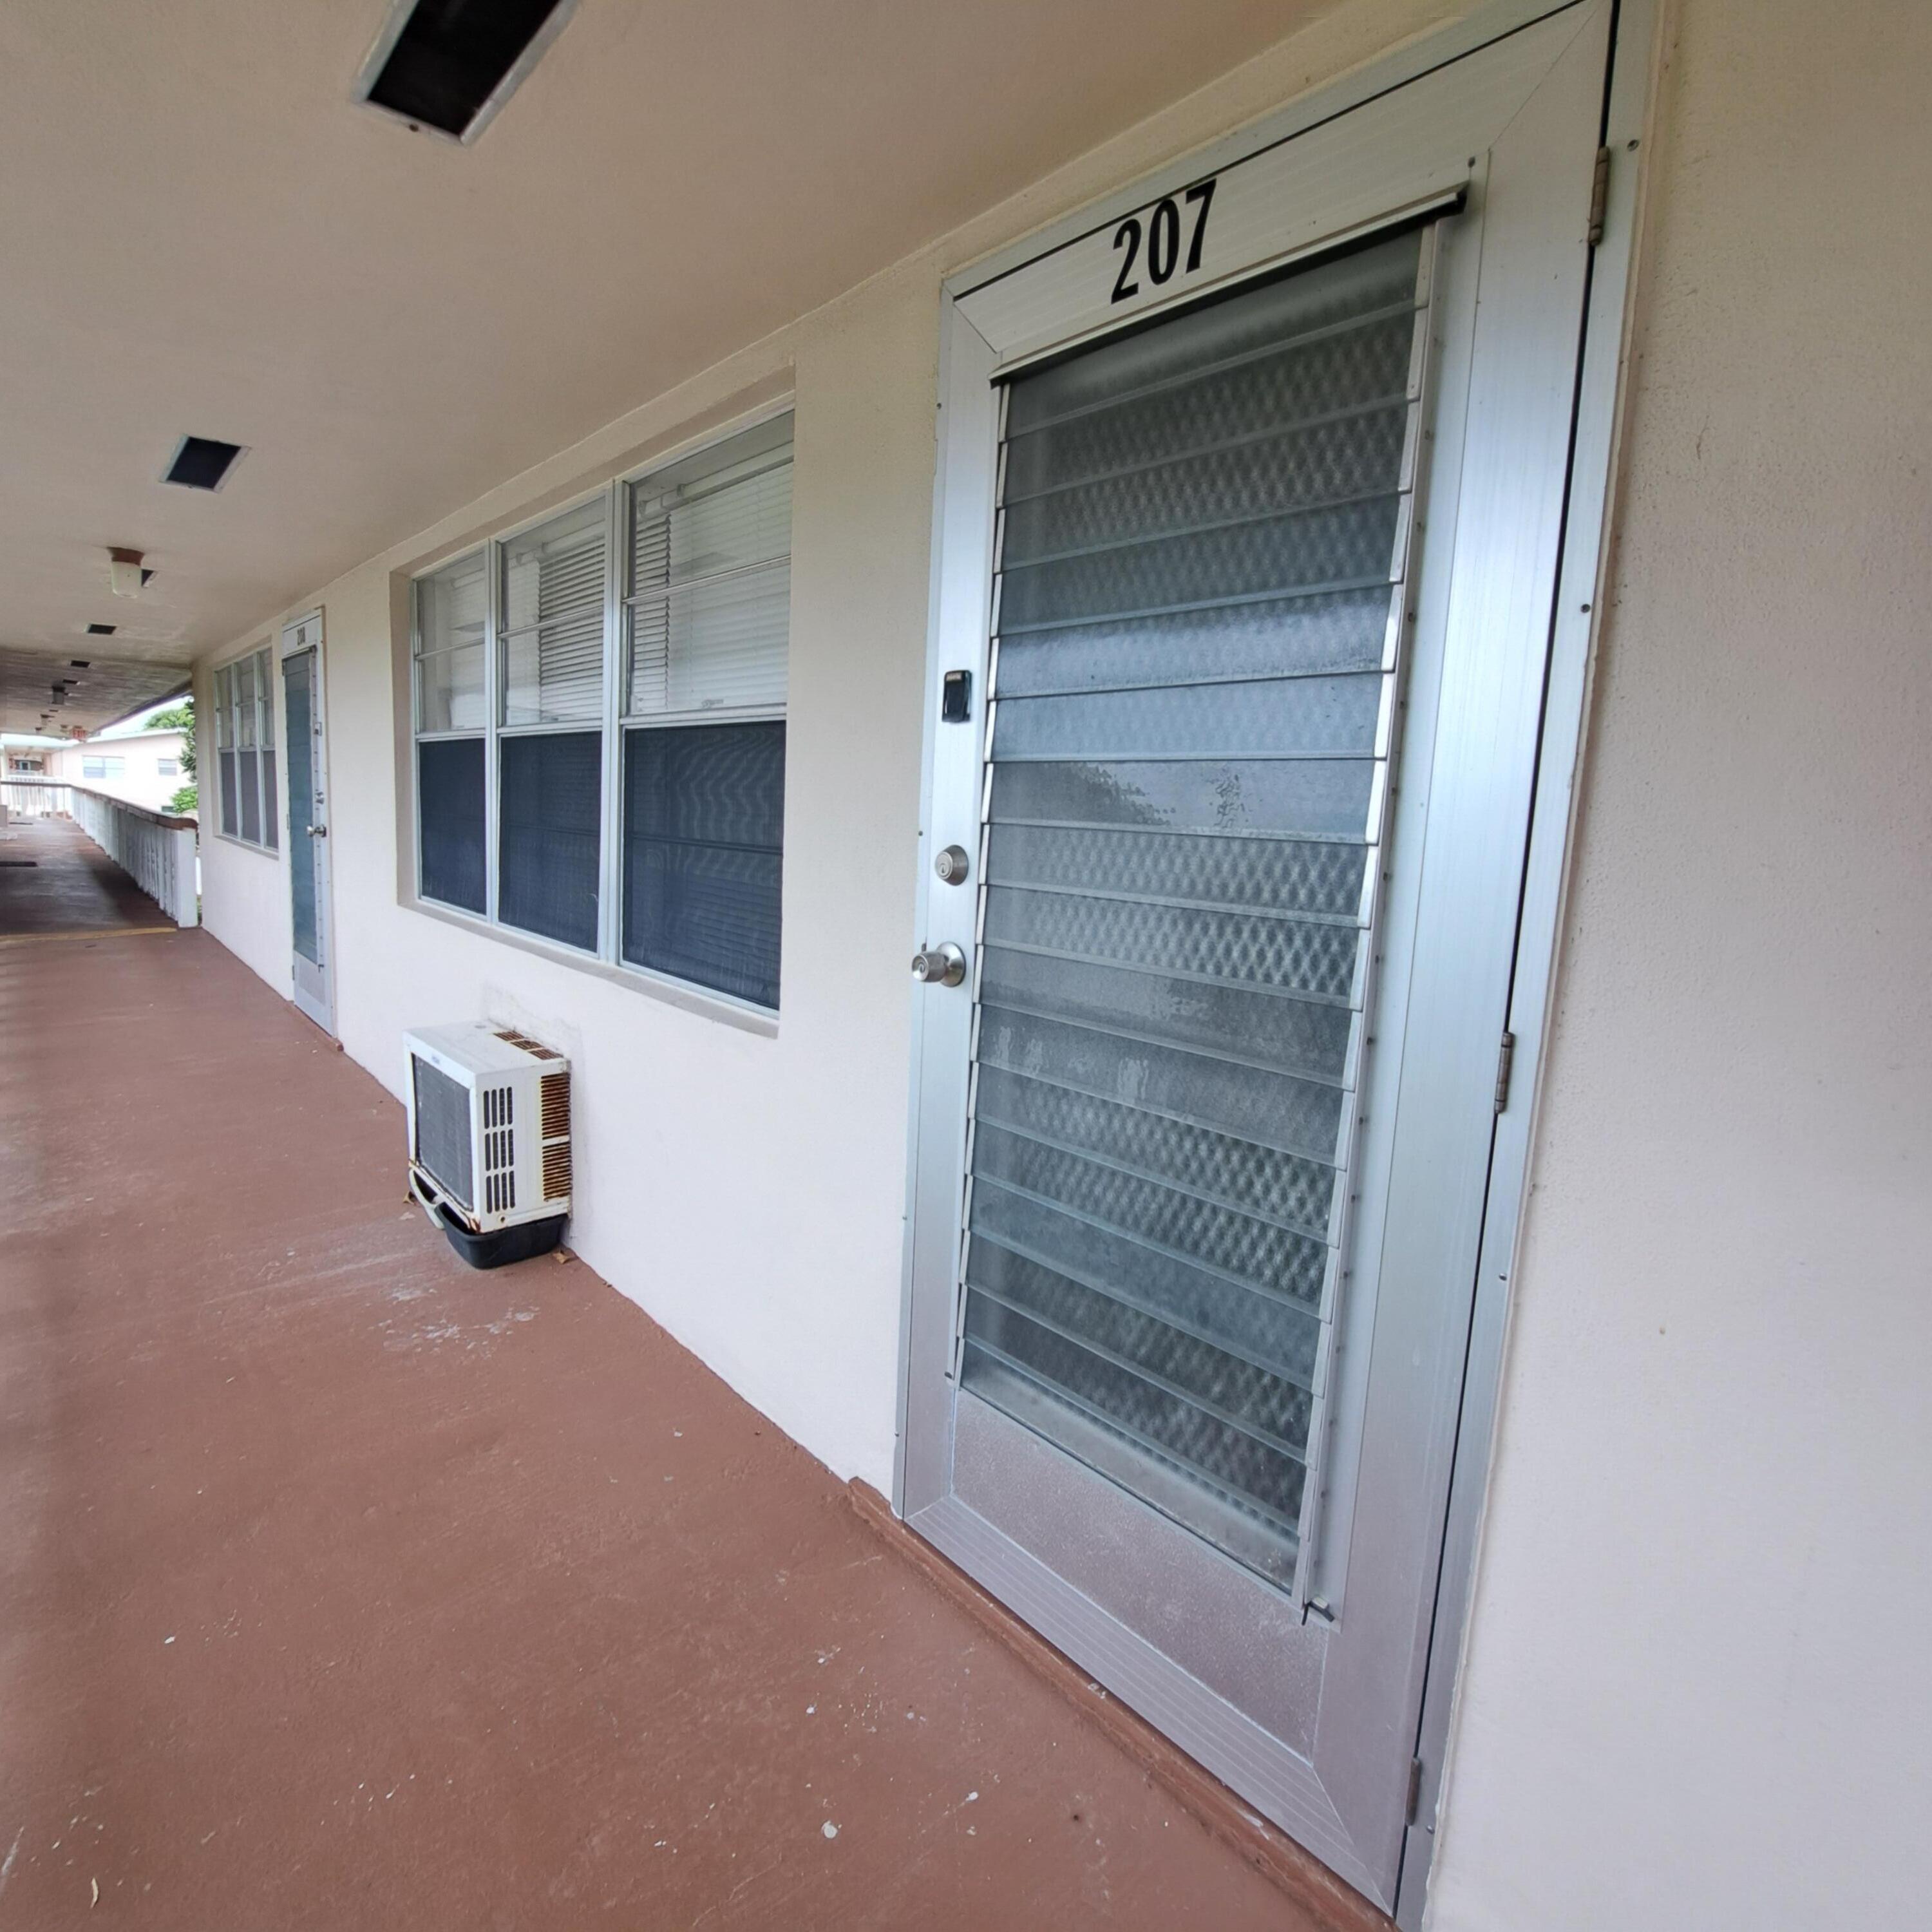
(244, 735)
(224, 743)
(707, 608)
(550, 808)
(452, 629)
(450, 818)
(703, 844)
(271, 796)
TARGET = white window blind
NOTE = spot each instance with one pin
(709, 593)
(554, 619)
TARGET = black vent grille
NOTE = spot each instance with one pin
(450, 58)
(202, 463)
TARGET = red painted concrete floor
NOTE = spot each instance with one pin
(53, 878)
(342, 1588)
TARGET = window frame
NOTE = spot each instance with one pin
(225, 711)
(612, 721)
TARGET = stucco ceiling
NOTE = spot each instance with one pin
(200, 233)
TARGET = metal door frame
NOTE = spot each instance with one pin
(962, 564)
(301, 634)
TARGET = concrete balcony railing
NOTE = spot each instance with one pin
(159, 852)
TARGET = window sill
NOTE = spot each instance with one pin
(250, 845)
(689, 999)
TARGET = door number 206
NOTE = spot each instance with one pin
(1162, 236)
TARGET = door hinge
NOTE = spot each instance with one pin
(1414, 1788)
(1600, 196)
(1505, 1060)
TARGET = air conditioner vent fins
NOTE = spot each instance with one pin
(499, 1149)
(535, 1048)
(555, 1105)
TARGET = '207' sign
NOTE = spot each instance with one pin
(1161, 234)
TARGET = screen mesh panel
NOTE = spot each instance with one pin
(703, 854)
(231, 823)
(450, 822)
(443, 1129)
(548, 807)
(249, 783)
(1203, 534)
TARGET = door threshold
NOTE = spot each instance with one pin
(1331, 1904)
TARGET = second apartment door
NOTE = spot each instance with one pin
(307, 819)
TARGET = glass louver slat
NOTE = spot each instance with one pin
(1202, 547)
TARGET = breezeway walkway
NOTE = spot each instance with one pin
(54, 879)
(340, 1586)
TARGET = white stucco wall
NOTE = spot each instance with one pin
(1698, 1689)
(1695, 1695)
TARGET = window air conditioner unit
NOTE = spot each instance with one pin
(489, 1115)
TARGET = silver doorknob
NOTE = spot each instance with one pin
(939, 965)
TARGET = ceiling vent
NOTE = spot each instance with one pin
(100, 630)
(200, 463)
(449, 65)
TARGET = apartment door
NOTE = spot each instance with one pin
(307, 817)
(1248, 536)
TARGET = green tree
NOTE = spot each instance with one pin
(180, 718)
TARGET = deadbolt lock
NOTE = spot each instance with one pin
(939, 965)
(952, 865)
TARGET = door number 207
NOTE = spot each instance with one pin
(1162, 236)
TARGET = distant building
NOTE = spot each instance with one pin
(143, 767)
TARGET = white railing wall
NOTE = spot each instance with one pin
(157, 851)
(33, 798)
